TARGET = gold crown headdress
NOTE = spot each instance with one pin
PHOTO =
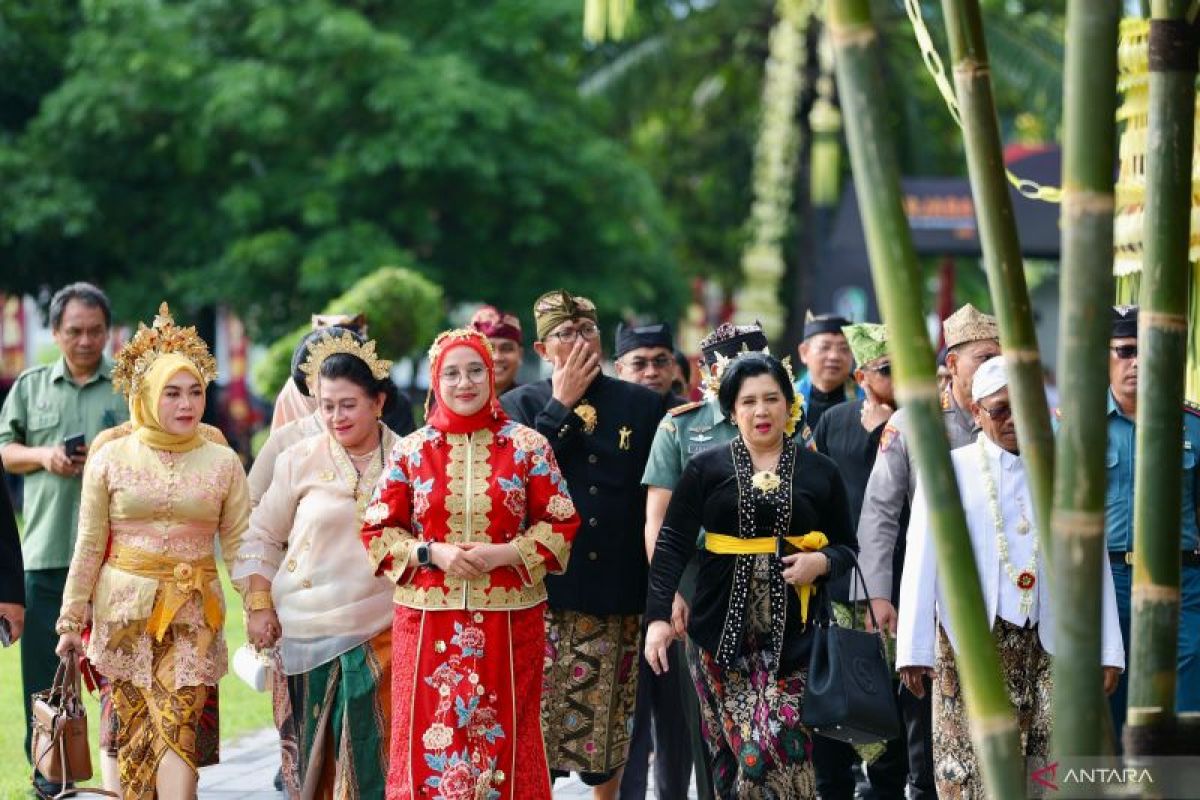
(446, 338)
(163, 336)
(325, 346)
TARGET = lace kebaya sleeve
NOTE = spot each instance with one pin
(235, 517)
(387, 523)
(92, 540)
(545, 546)
(270, 528)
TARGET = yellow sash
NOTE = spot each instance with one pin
(725, 545)
(177, 580)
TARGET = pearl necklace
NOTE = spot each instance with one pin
(1026, 578)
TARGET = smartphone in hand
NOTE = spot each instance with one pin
(73, 444)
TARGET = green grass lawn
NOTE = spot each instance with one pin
(242, 709)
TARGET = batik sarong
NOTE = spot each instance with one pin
(590, 689)
(750, 713)
(1027, 672)
(152, 721)
(337, 723)
(466, 693)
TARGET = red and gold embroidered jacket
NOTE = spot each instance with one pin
(480, 487)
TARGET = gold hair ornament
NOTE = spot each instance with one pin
(163, 336)
(447, 338)
(717, 370)
(326, 346)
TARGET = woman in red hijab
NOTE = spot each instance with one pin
(469, 517)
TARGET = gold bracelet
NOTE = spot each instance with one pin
(68, 625)
(259, 601)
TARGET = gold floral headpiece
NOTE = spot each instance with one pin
(163, 336)
(325, 346)
(447, 338)
(722, 363)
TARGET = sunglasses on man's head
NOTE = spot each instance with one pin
(1125, 351)
(884, 369)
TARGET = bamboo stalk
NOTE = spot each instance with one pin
(1002, 253)
(1090, 98)
(1162, 345)
(897, 280)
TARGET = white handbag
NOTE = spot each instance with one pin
(253, 667)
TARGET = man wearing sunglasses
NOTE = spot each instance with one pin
(601, 430)
(849, 433)
(1118, 518)
(972, 338)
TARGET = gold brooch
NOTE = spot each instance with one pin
(587, 413)
(765, 481)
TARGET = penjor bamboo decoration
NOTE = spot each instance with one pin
(1089, 90)
(1162, 342)
(897, 280)
(1002, 252)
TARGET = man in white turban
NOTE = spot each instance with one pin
(999, 511)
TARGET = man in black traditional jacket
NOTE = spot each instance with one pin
(601, 430)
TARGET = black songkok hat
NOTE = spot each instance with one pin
(631, 337)
(300, 354)
(728, 340)
(1124, 322)
(823, 323)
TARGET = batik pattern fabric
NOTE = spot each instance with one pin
(590, 689)
(1027, 672)
(208, 731)
(467, 654)
(152, 721)
(336, 724)
(750, 712)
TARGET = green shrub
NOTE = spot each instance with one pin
(404, 311)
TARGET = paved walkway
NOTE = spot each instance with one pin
(248, 765)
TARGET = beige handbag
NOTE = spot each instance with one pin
(59, 747)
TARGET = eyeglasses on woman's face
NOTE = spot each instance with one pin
(474, 373)
(588, 332)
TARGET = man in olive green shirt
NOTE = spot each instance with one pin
(46, 406)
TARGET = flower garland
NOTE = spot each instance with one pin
(1026, 578)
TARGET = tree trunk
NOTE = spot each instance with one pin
(1089, 90)
(897, 278)
(1002, 253)
(1162, 344)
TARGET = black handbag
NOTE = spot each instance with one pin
(849, 694)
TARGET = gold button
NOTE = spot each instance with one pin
(499, 774)
(327, 476)
(593, 522)
(593, 490)
(291, 565)
(477, 616)
(592, 555)
(306, 583)
(592, 459)
(439, 646)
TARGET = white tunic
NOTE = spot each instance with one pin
(922, 594)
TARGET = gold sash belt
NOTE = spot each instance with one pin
(725, 545)
(177, 581)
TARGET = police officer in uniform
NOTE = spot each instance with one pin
(601, 430)
(1118, 516)
(971, 339)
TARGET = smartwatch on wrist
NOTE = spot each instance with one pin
(424, 555)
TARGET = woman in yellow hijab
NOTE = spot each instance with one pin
(144, 560)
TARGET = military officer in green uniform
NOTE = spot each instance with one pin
(48, 405)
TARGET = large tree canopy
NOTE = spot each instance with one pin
(267, 154)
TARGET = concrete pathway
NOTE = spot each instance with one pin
(248, 765)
